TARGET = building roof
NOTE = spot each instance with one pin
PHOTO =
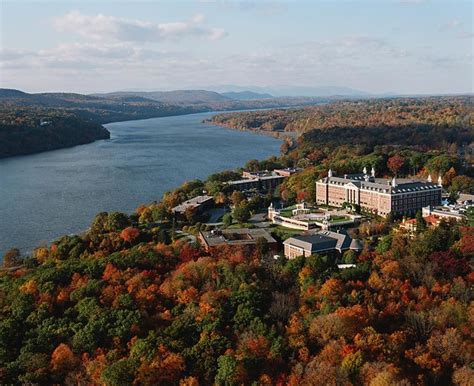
(287, 170)
(241, 236)
(192, 203)
(256, 179)
(259, 173)
(463, 197)
(404, 187)
(356, 245)
(324, 240)
(431, 220)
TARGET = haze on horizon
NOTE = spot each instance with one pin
(399, 46)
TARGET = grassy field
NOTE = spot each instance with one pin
(283, 233)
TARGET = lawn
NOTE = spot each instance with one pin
(338, 219)
(244, 225)
(283, 233)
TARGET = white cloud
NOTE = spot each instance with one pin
(457, 29)
(99, 65)
(323, 56)
(102, 27)
(452, 24)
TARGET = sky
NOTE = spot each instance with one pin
(398, 46)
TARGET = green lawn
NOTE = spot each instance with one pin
(338, 219)
(284, 233)
(244, 225)
(286, 213)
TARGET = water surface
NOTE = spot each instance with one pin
(46, 195)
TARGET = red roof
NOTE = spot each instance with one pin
(431, 220)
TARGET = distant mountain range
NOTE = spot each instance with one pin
(246, 95)
(293, 91)
(178, 96)
(212, 93)
(188, 96)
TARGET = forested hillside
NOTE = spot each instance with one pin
(393, 112)
(136, 301)
(119, 307)
(29, 131)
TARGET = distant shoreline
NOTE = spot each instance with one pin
(274, 134)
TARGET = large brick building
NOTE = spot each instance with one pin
(377, 197)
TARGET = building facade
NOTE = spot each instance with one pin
(378, 197)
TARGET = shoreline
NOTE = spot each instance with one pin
(283, 135)
(28, 250)
(277, 135)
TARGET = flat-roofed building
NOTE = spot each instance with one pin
(286, 172)
(447, 213)
(323, 241)
(252, 175)
(376, 197)
(235, 237)
(200, 203)
(264, 183)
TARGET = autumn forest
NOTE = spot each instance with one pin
(133, 301)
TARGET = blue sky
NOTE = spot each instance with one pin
(402, 46)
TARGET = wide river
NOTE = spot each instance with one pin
(46, 195)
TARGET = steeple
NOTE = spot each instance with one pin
(330, 173)
(372, 172)
(365, 170)
(440, 181)
(394, 182)
(429, 178)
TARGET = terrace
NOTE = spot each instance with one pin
(302, 217)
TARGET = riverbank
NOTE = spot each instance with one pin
(282, 135)
(32, 136)
(59, 192)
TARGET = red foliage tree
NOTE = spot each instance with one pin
(449, 264)
(130, 234)
(395, 163)
(62, 358)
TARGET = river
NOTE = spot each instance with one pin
(47, 195)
